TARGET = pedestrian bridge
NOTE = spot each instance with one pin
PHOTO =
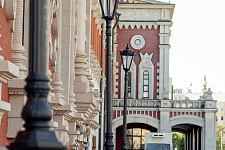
(194, 118)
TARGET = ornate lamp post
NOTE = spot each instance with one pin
(37, 112)
(108, 8)
(127, 57)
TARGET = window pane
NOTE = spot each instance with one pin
(129, 142)
(136, 131)
(129, 131)
(145, 88)
(144, 131)
(136, 142)
(145, 94)
(145, 76)
(145, 82)
(142, 142)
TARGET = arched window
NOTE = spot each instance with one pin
(129, 84)
(146, 84)
(221, 117)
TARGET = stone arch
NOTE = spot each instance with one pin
(187, 120)
(137, 119)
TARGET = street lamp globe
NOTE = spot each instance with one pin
(127, 57)
(108, 8)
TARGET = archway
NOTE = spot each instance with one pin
(135, 135)
(193, 135)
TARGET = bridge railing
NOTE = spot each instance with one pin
(194, 104)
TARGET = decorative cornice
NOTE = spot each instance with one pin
(8, 71)
(80, 127)
(138, 25)
(93, 124)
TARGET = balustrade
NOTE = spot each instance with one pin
(183, 104)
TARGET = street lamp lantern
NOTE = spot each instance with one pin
(127, 57)
(108, 8)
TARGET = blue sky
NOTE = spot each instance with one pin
(198, 44)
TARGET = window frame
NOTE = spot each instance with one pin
(145, 85)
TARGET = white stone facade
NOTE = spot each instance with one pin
(71, 63)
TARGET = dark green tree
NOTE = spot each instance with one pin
(219, 128)
(178, 140)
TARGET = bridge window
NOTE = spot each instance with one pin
(221, 108)
(146, 84)
(136, 138)
(221, 117)
(129, 84)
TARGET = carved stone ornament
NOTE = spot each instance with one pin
(64, 137)
(146, 60)
(140, 14)
(137, 41)
(52, 54)
(2, 3)
(10, 8)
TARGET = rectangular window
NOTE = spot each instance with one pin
(221, 117)
(221, 108)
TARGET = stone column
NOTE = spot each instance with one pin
(16, 86)
(85, 99)
(72, 56)
(57, 83)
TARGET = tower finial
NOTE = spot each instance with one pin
(205, 83)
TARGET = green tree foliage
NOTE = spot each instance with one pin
(219, 128)
(178, 140)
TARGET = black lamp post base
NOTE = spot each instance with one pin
(37, 139)
(109, 141)
(124, 145)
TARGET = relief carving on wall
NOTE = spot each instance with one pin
(140, 14)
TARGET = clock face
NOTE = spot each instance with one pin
(137, 42)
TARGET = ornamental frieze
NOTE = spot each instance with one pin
(139, 14)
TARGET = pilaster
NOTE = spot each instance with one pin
(210, 129)
(164, 48)
(164, 127)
